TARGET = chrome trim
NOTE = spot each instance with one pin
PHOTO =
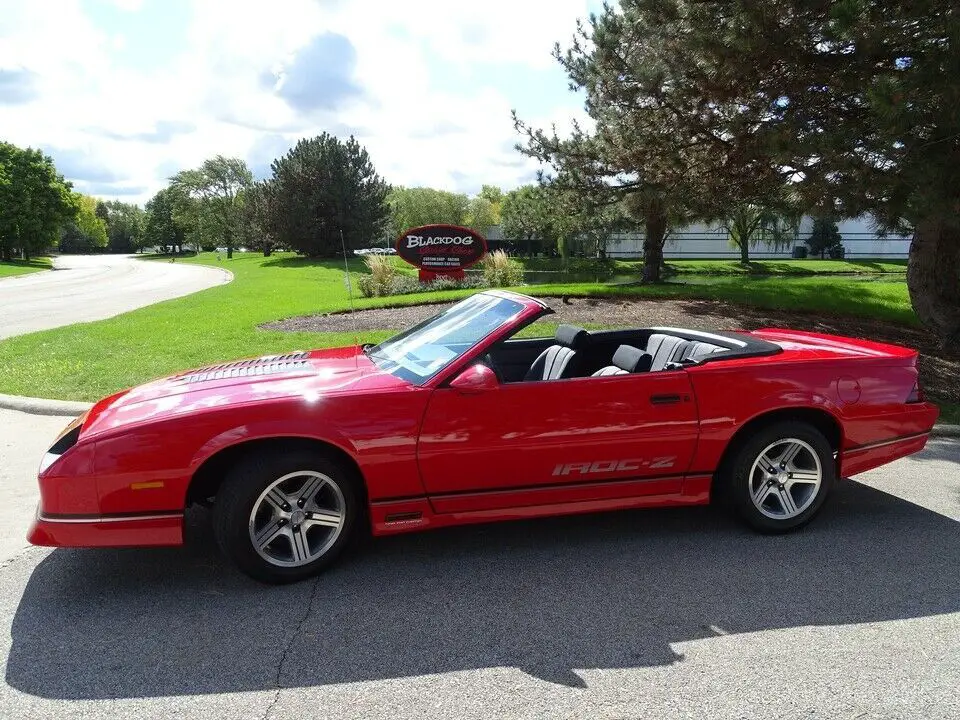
(107, 519)
(884, 443)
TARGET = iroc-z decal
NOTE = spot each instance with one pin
(598, 467)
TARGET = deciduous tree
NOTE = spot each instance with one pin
(125, 226)
(481, 214)
(217, 185)
(163, 227)
(412, 207)
(525, 216)
(35, 201)
(749, 225)
(87, 231)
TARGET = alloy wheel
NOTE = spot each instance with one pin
(785, 478)
(297, 518)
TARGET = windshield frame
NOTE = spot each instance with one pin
(528, 310)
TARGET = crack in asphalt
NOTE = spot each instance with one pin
(286, 650)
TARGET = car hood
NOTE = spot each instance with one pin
(309, 375)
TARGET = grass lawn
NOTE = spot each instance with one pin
(90, 360)
(809, 266)
(22, 267)
(722, 267)
(949, 413)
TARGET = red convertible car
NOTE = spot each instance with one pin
(458, 420)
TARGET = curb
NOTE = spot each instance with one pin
(42, 406)
(952, 431)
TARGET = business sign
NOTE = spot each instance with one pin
(441, 249)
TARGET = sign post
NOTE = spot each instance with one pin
(441, 250)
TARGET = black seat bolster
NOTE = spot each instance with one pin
(626, 360)
(559, 361)
(631, 359)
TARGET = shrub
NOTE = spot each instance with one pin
(381, 267)
(385, 279)
(500, 271)
(836, 252)
(447, 283)
(399, 284)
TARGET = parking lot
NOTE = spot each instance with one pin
(659, 614)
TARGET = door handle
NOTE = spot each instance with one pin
(664, 399)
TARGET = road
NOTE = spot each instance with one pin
(649, 614)
(83, 288)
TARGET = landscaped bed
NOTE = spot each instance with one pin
(938, 370)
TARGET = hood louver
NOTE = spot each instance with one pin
(266, 365)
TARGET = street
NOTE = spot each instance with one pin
(659, 614)
(83, 288)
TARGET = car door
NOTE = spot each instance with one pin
(530, 443)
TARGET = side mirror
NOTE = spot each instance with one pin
(475, 379)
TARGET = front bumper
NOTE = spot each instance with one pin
(106, 531)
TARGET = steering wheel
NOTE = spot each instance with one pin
(488, 361)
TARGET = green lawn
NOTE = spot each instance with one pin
(788, 267)
(721, 267)
(949, 413)
(90, 360)
(22, 267)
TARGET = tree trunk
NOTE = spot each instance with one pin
(933, 278)
(229, 252)
(26, 253)
(654, 235)
(744, 253)
(267, 250)
(5, 254)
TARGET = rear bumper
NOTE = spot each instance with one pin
(106, 531)
(906, 436)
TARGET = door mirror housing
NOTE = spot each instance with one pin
(475, 379)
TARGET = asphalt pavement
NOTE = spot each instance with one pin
(83, 288)
(641, 614)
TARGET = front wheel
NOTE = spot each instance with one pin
(285, 516)
(780, 477)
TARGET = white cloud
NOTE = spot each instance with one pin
(213, 97)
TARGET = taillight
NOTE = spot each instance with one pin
(916, 395)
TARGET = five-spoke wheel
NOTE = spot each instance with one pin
(297, 518)
(785, 478)
(287, 515)
(779, 477)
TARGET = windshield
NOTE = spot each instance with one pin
(417, 354)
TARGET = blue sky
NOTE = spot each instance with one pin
(123, 93)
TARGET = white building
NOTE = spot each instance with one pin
(860, 240)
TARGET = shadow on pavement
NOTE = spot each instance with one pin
(939, 448)
(550, 596)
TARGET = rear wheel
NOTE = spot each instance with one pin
(780, 477)
(282, 517)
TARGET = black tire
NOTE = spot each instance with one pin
(245, 486)
(741, 480)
